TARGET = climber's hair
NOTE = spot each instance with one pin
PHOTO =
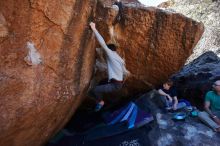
(169, 82)
(112, 47)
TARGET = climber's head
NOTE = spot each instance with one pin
(112, 47)
(216, 86)
(168, 84)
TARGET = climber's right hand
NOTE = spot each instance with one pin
(92, 25)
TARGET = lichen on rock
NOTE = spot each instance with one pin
(3, 26)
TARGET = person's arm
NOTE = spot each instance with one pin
(125, 71)
(207, 109)
(175, 102)
(161, 92)
(207, 104)
(100, 38)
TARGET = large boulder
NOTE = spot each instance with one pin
(46, 63)
(48, 52)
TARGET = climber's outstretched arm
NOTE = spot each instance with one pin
(99, 38)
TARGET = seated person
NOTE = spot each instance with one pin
(211, 114)
(169, 95)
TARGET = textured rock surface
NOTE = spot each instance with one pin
(36, 101)
(3, 27)
(189, 132)
(196, 78)
(206, 11)
(38, 97)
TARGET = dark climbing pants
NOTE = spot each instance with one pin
(99, 90)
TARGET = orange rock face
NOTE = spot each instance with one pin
(48, 52)
(36, 100)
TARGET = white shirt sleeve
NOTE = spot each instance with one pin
(102, 43)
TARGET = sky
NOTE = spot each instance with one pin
(151, 2)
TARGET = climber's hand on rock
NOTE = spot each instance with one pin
(92, 25)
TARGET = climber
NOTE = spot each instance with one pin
(169, 96)
(120, 14)
(211, 115)
(116, 70)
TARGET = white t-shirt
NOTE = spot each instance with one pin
(115, 64)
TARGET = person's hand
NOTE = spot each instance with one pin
(217, 120)
(128, 73)
(174, 107)
(169, 98)
(92, 25)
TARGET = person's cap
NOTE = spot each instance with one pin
(217, 83)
